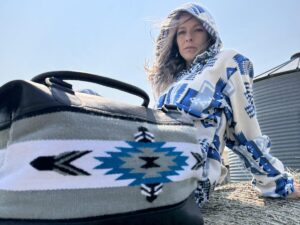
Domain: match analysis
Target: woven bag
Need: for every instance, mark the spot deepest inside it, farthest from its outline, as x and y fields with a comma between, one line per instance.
x=68, y=157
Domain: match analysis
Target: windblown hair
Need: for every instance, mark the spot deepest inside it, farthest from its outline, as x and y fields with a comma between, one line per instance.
x=168, y=62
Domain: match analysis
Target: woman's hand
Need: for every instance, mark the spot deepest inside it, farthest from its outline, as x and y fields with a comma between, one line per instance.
x=296, y=193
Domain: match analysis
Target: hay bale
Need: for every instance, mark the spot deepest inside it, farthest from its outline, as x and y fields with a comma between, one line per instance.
x=239, y=203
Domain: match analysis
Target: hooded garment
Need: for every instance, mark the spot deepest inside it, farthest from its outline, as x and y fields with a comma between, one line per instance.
x=208, y=23
x=216, y=92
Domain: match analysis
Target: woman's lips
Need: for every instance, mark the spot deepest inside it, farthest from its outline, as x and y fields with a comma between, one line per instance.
x=190, y=48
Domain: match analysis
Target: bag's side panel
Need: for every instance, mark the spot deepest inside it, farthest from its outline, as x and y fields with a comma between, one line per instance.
x=65, y=165
x=68, y=156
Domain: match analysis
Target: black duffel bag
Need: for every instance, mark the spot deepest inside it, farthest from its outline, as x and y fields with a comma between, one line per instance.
x=69, y=158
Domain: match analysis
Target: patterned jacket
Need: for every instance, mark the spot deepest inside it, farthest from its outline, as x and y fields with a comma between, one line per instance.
x=216, y=92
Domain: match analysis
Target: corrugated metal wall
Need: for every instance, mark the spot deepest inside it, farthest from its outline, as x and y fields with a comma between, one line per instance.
x=277, y=101
x=237, y=169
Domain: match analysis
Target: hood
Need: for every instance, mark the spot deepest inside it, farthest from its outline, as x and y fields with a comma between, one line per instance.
x=208, y=23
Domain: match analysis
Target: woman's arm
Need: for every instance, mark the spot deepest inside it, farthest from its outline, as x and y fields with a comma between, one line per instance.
x=244, y=136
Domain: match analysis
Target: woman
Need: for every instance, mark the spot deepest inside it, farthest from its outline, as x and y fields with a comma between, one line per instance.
x=214, y=88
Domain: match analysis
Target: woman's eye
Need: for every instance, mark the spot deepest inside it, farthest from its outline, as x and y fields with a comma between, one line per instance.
x=180, y=32
x=199, y=29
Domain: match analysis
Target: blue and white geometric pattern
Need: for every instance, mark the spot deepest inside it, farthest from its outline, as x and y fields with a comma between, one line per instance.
x=250, y=108
x=230, y=71
x=175, y=94
x=199, y=12
x=202, y=192
x=203, y=98
x=197, y=103
x=244, y=64
x=220, y=101
x=197, y=9
x=204, y=144
x=190, y=75
x=257, y=161
x=229, y=89
x=210, y=62
x=213, y=154
x=284, y=186
x=198, y=68
x=144, y=163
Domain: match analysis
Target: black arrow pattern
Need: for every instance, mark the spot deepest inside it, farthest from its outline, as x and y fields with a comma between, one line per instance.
x=143, y=135
x=61, y=163
x=199, y=162
x=151, y=190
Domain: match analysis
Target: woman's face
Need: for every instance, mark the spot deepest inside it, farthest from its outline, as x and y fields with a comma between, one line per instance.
x=191, y=38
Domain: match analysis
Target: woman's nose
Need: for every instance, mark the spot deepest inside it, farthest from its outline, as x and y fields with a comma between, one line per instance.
x=188, y=37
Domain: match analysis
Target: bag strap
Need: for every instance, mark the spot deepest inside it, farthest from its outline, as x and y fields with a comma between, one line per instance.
x=105, y=81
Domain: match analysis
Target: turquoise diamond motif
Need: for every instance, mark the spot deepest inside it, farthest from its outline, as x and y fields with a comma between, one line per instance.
x=144, y=162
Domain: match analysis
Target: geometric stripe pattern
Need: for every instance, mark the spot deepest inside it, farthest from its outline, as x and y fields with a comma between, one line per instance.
x=250, y=109
x=76, y=164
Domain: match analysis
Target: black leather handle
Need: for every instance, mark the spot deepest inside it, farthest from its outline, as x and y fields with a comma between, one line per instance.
x=105, y=81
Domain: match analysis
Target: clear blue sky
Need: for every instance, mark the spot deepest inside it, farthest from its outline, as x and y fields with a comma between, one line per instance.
x=116, y=38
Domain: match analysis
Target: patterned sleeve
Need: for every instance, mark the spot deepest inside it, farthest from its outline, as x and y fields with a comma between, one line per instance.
x=244, y=137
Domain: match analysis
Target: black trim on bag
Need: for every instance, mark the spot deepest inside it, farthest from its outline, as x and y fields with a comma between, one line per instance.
x=5, y=125
x=176, y=214
x=93, y=112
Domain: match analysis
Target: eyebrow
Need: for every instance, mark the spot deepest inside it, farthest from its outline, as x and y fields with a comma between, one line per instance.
x=196, y=25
